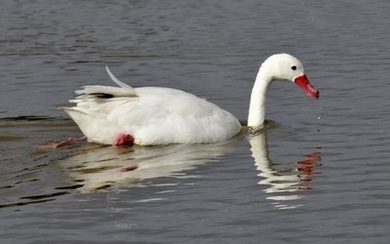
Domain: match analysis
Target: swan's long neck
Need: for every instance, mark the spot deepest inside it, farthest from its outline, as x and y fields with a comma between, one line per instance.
x=256, y=114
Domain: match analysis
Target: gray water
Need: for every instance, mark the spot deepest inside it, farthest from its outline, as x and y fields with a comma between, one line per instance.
x=320, y=176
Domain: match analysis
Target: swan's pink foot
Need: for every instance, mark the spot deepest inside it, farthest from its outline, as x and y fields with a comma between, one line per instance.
x=68, y=141
x=123, y=139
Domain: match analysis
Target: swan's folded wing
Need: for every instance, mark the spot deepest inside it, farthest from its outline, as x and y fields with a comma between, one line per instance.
x=96, y=91
x=105, y=92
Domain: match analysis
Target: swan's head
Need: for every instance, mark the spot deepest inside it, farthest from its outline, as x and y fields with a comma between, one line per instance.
x=286, y=67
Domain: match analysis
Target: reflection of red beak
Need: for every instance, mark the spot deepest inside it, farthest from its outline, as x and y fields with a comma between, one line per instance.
x=304, y=84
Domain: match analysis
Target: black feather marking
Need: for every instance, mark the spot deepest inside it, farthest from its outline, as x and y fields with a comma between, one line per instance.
x=102, y=95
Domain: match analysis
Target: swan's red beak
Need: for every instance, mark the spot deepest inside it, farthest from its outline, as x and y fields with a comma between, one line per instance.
x=305, y=85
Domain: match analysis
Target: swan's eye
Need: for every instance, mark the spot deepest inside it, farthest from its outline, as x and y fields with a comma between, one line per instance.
x=294, y=67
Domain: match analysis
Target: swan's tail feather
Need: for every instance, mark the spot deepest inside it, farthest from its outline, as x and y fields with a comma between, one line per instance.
x=105, y=92
x=116, y=80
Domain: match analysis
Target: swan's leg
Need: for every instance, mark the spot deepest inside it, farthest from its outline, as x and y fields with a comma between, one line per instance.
x=123, y=139
x=67, y=141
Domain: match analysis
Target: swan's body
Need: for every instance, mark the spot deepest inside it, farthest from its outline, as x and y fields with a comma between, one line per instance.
x=156, y=115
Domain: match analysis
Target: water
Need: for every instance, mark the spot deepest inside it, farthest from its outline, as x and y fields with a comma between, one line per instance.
x=320, y=176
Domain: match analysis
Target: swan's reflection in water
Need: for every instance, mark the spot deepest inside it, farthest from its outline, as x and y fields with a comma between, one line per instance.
x=285, y=182
x=107, y=167
x=100, y=168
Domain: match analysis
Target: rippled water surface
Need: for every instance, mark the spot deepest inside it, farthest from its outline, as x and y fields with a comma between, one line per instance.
x=321, y=175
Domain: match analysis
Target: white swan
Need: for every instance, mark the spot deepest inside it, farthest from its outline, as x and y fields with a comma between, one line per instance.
x=156, y=115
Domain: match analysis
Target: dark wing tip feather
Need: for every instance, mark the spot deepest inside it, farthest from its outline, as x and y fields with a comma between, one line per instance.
x=102, y=95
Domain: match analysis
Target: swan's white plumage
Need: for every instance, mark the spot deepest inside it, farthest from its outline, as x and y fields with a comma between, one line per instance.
x=152, y=115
